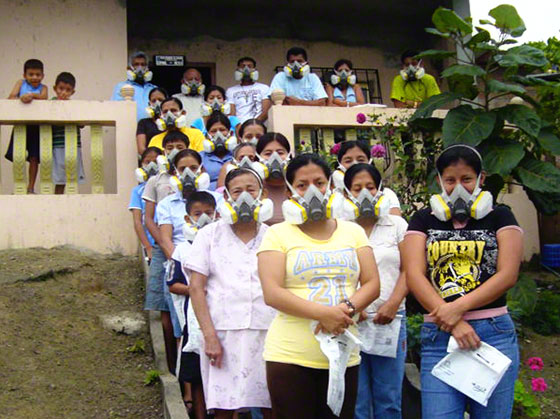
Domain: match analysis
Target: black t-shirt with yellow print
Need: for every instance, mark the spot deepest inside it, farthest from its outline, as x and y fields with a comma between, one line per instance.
x=460, y=260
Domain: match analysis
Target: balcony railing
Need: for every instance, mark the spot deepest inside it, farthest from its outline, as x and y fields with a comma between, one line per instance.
x=93, y=215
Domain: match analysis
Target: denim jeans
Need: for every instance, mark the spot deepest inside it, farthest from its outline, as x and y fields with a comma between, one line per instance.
x=155, y=299
x=380, y=382
x=442, y=401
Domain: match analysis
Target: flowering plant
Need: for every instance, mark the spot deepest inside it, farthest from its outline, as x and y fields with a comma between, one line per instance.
x=335, y=149
x=361, y=118
x=378, y=151
x=525, y=402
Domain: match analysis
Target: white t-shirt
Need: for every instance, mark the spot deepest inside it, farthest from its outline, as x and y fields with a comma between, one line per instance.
x=191, y=104
x=247, y=100
x=385, y=237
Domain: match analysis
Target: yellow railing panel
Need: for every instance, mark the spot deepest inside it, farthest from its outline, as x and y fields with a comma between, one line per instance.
x=71, y=158
x=97, y=185
x=20, y=184
x=328, y=137
x=47, y=186
x=351, y=134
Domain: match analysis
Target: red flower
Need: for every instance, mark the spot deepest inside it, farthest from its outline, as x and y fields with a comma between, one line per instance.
x=538, y=384
x=535, y=363
x=378, y=151
x=360, y=118
x=335, y=148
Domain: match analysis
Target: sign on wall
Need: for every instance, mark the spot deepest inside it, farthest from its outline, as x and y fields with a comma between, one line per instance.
x=169, y=60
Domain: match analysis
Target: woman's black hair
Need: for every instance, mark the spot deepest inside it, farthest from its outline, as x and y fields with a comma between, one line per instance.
x=303, y=160
x=216, y=117
x=250, y=122
x=173, y=99
x=341, y=62
x=187, y=153
x=241, y=146
x=269, y=137
x=348, y=145
x=158, y=89
x=453, y=154
x=232, y=174
x=213, y=88
x=147, y=151
x=361, y=167
x=200, y=196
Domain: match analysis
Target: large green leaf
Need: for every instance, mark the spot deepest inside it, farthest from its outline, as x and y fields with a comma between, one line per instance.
x=428, y=124
x=524, y=293
x=463, y=70
x=532, y=81
x=434, y=31
x=508, y=20
x=523, y=117
x=434, y=102
x=501, y=156
x=498, y=86
x=541, y=176
x=436, y=54
x=467, y=125
x=482, y=36
x=446, y=20
x=522, y=55
x=549, y=140
x=465, y=85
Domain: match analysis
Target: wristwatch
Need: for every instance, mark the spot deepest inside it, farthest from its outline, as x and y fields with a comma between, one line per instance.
x=350, y=306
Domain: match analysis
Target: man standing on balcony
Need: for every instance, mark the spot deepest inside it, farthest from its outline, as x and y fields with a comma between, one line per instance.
x=302, y=88
x=138, y=76
x=412, y=85
x=192, y=94
x=248, y=95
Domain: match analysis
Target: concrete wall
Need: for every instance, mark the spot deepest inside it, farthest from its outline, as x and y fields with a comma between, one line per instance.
x=100, y=222
x=87, y=38
x=270, y=53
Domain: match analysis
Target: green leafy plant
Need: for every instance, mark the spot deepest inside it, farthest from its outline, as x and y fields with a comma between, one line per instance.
x=545, y=319
x=514, y=138
x=138, y=347
x=413, y=327
x=524, y=403
x=152, y=377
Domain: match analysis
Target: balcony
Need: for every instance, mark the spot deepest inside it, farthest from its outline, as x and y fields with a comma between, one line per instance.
x=93, y=215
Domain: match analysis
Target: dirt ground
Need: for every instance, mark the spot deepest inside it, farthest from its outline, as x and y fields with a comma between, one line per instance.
x=56, y=360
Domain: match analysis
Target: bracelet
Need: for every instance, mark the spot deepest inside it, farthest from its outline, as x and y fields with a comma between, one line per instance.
x=350, y=306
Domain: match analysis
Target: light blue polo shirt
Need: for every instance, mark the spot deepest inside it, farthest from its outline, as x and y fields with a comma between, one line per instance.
x=172, y=210
x=307, y=88
x=199, y=123
x=141, y=96
x=213, y=164
x=136, y=202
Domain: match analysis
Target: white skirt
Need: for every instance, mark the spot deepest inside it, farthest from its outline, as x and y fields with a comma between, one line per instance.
x=241, y=380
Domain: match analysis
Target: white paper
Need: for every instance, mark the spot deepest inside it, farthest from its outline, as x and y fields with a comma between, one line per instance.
x=475, y=373
x=380, y=339
x=179, y=306
x=194, y=344
x=338, y=350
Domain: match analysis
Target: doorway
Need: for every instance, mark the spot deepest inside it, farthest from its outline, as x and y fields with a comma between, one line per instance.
x=169, y=77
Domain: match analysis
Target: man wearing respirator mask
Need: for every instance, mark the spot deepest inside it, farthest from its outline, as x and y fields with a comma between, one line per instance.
x=412, y=85
x=174, y=118
x=138, y=76
x=302, y=87
x=192, y=93
x=248, y=95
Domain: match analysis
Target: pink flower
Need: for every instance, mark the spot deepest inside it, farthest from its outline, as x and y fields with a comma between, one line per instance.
x=538, y=384
x=535, y=363
x=360, y=118
x=335, y=148
x=378, y=151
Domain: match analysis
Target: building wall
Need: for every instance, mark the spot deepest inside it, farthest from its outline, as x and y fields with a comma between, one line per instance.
x=270, y=53
x=87, y=38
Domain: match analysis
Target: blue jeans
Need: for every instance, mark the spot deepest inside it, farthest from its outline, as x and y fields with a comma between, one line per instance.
x=155, y=299
x=442, y=401
x=380, y=382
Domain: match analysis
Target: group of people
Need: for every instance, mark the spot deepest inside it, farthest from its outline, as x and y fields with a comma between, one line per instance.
x=260, y=261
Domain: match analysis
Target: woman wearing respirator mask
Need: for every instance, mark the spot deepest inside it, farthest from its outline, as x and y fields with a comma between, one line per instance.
x=147, y=127
x=366, y=204
x=310, y=267
x=273, y=150
x=227, y=298
x=461, y=257
x=215, y=102
x=244, y=156
x=351, y=153
x=218, y=146
x=343, y=90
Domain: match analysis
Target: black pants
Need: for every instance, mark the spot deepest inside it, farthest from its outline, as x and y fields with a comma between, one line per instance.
x=299, y=392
